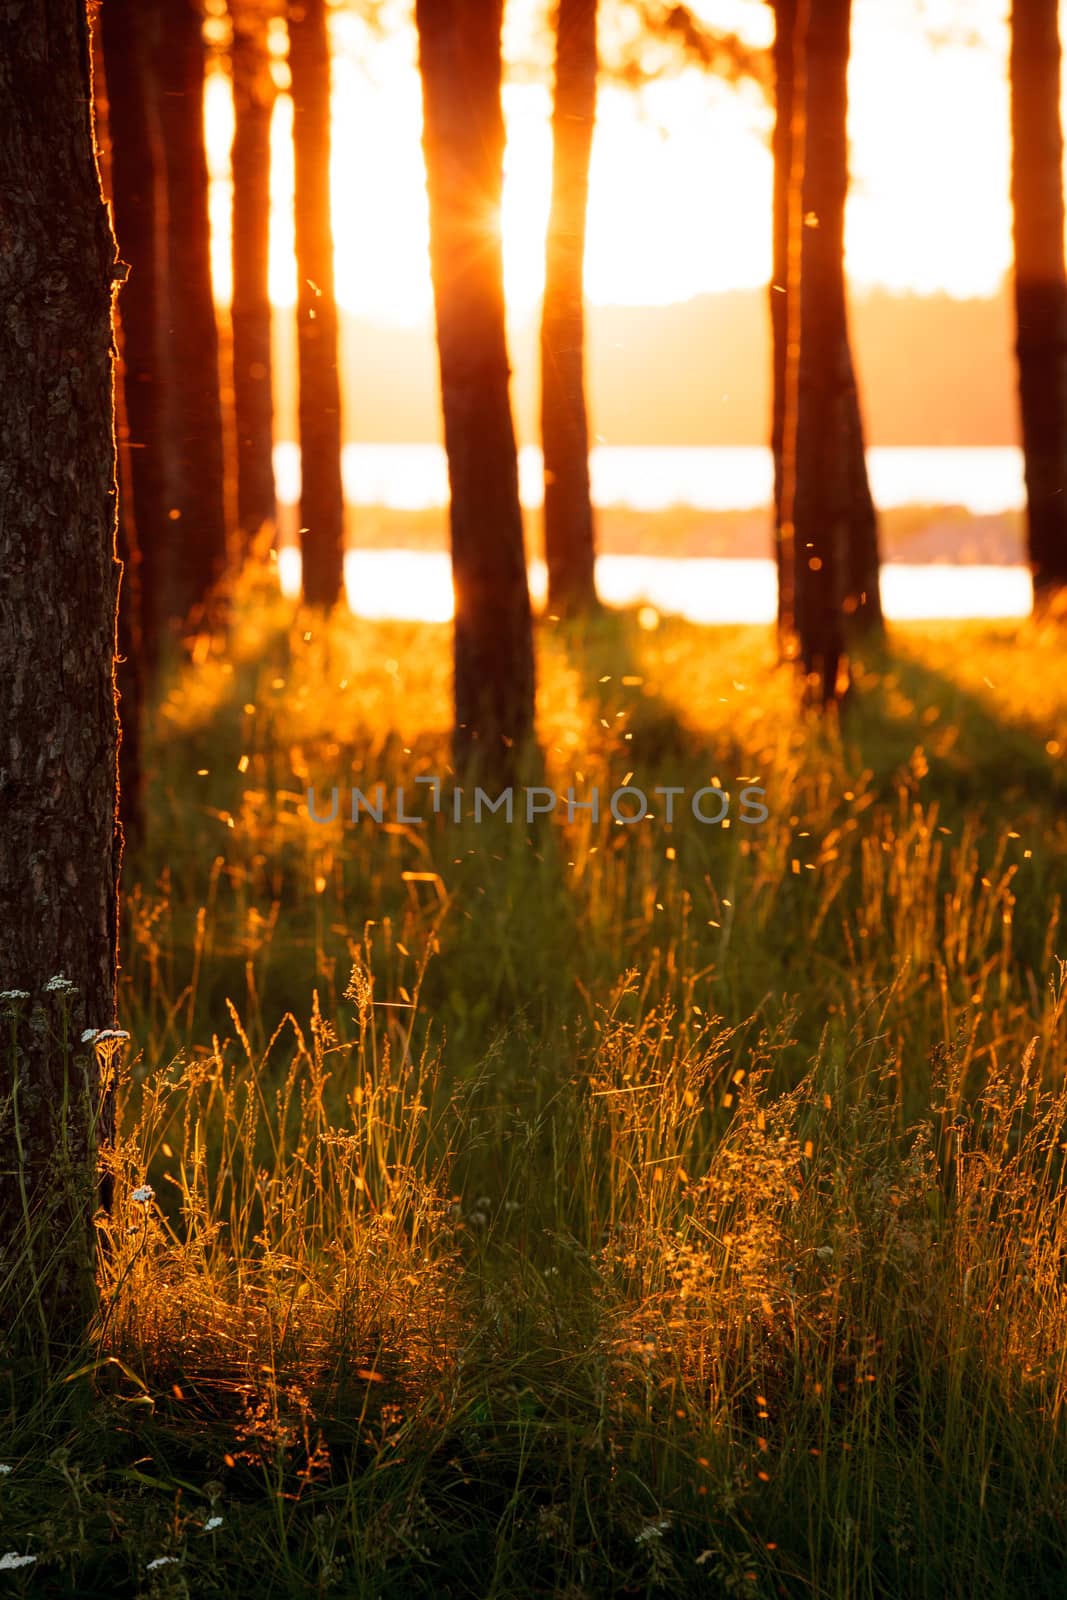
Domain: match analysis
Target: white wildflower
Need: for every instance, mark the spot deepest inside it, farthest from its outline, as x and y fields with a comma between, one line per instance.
x=12, y=1559
x=212, y=1523
x=144, y=1194
x=4, y=1469
x=14, y=994
x=59, y=985
x=89, y=1035
x=111, y=1033
x=652, y=1530
x=161, y=1561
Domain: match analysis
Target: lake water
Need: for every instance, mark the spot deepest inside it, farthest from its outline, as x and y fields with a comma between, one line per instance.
x=418, y=584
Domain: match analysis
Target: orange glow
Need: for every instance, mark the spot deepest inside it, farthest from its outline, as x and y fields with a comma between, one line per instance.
x=681, y=170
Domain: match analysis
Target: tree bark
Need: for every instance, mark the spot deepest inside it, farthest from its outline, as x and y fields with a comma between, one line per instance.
x=59, y=842
x=818, y=442
x=129, y=156
x=570, y=541
x=194, y=471
x=321, y=495
x=253, y=94
x=862, y=601
x=463, y=140
x=1040, y=284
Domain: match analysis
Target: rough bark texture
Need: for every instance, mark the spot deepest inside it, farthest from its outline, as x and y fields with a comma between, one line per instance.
x=126, y=143
x=816, y=460
x=253, y=94
x=463, y=139
x=321, y=495
x=862, y=601
x=58, y=724
x=194, y=475
x=1040, y=284
x=570, y=543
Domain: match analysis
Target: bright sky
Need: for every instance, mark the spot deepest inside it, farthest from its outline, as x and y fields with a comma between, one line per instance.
x=680, y=199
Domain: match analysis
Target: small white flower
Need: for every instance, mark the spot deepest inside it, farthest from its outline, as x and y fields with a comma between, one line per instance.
x=144, y=1194
x=59, y=985
x=12, y=1559
x=652, y=1530
x=161, y=1561
x=4, y=1469
x=212, y=1523
x=111, y=1033
x=89, y=1035
x=14, y=994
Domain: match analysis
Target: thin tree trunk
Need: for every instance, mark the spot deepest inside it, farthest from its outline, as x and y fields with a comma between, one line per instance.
x=59, y=844
x=570, y=541
x=253, y=94
x=463, y=139
x=1040, y=284
x=862, y=602
x=321, y=495
x=194, y=474
x=816, y=432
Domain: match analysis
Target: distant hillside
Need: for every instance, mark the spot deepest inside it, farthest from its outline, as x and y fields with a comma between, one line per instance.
x=934, y=371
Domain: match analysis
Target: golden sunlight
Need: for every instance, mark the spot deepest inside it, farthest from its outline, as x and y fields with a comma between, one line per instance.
x=681, y=171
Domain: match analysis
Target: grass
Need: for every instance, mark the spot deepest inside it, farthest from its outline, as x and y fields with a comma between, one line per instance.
x=582, y=1209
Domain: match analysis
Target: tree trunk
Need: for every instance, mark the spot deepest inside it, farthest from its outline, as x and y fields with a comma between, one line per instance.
x=321, y=495
x=1040, y=284
x=463, y=139
x=58, y=725
x=128, y=141
x=570, y=543
x=862, y=602
x=817, y=436
x=253, y=94
x=194, y=473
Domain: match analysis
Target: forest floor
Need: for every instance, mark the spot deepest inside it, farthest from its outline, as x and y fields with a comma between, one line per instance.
x=582, y=1208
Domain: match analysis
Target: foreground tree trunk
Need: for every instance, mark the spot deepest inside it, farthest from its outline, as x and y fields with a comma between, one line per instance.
x=862, y=601
x=58, y=724
x=1040, y=284
x=253, y=95
x=129, y=164
x=818, y=431
x=321, y=495
x=570, y=542
x=194, y=474
x=463, y=139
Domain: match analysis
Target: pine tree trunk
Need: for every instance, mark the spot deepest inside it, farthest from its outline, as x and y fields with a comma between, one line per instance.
x=862, y=602
x=463, y=140
x=194, y=472
x=128, y=173
x=1040, y=284
x=253, y=94
x=816, y=460
x=570, y=542
x=58, y=724
x=321, y=495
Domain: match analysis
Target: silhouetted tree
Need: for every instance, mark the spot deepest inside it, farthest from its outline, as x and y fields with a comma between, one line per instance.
x=570, y=543
x=193, y=471
x=463, y=139
x=253, y=95
x=59, y=841
x=819, y=435
x=321, y=495
x=862, y=593
x=128, y=141
x=1040, y=284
